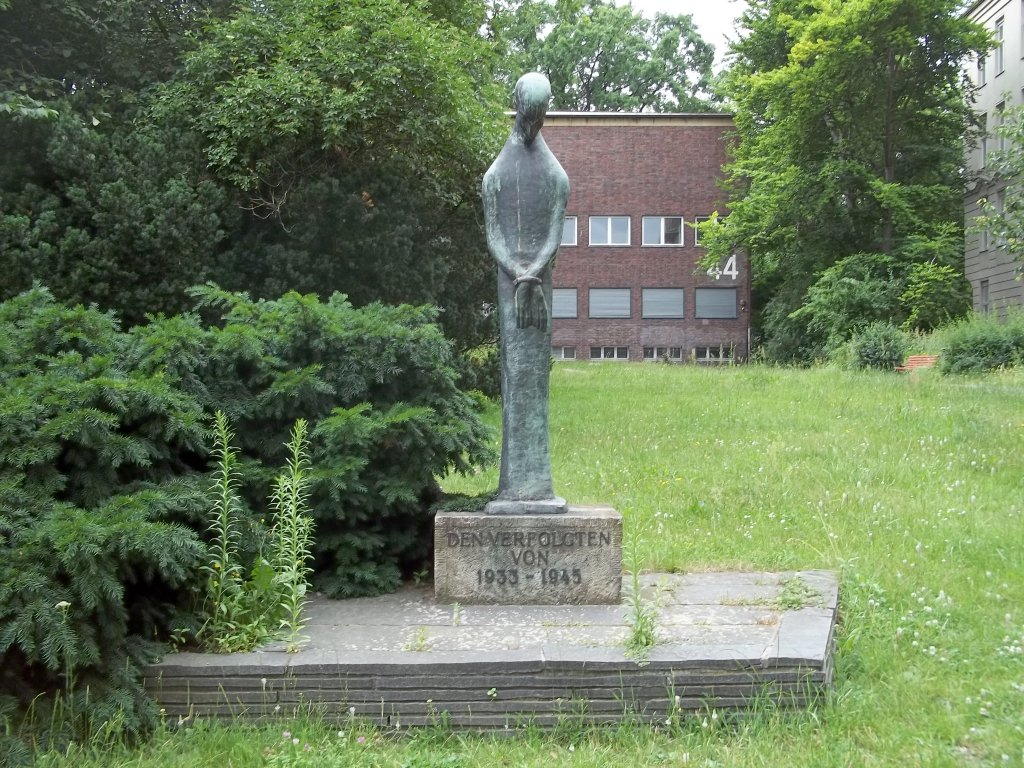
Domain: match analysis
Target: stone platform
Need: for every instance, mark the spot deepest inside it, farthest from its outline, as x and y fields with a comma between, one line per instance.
x=725, y=641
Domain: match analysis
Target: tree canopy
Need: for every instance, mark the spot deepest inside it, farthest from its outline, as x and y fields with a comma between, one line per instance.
x=603, y=57
x=847, y=175
x=288, y=144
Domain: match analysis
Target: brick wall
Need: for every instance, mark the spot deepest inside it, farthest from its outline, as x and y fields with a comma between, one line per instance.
x=636, y=166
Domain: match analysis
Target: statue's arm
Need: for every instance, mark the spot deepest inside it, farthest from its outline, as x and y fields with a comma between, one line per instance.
x=559, y=200
x=496, y=243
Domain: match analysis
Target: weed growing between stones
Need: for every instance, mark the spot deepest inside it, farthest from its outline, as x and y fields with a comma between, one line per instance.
x=642, y=613
x=796, y=593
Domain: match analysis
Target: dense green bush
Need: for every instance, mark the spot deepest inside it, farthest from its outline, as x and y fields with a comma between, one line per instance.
x=104, y=484
x=983, y=343
x=93, y=457
x=879, y=345
x=376, y=384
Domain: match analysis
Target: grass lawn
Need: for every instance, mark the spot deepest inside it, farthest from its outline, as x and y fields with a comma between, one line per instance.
x=911, y=487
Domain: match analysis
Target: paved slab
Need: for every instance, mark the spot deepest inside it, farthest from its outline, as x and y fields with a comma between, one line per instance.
x=723, y=640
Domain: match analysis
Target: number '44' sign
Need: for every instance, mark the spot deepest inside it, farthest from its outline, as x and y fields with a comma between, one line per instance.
x=730, y=269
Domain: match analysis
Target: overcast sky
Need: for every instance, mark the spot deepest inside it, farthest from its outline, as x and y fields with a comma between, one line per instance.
x=714, y=18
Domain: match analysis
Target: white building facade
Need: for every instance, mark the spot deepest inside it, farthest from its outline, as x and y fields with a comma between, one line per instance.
x=991, y=270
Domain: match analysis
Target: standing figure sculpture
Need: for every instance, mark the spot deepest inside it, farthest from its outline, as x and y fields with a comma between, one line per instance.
x=525, y=192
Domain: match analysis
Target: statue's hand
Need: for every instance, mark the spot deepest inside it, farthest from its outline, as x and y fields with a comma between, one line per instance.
x=531, y=306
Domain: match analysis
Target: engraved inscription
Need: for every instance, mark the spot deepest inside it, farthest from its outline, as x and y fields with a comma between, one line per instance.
x=530, y=553
x=528, y=559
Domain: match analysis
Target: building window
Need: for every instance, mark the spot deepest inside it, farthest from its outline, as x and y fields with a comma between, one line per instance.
x=723, y=353
x=663, y=230
x=981, y=71
x=1000, y=116
x=983, y=148
x=563, y=302
x=662, y=302
x=998, y=53
x=563, y=353
x=569, y=231
x=1000, y=205
x=663, y=353
x=696, y=232
x=609, y=353
x=715, y=303
x=609, y=302
x=609, y=230
x=983, y=305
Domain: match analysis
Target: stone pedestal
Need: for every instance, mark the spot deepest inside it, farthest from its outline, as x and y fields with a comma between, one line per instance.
x=572, y=558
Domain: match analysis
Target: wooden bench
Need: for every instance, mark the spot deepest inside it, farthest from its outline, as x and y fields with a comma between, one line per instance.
x=914, y=362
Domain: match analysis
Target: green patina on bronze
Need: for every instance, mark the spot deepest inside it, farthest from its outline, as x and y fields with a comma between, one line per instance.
x=525, y=192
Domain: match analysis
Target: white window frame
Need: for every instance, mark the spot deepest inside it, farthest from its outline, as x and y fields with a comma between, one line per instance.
x=983, y=144
x=997, y=53
x=609, y=353
x=565, y=229
x=661, y=235
x=563, y=353
x=664, y=294
x=608, y=229
x=596, y=292
x=1000, y=115
x=982, y=79
x=564, y=293
x=663, y=352
x=726, y=354
x=1000, y=205
x=696, y=232
x=699, y=292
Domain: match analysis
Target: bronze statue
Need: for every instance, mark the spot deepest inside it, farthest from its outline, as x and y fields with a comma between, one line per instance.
x=525, y=193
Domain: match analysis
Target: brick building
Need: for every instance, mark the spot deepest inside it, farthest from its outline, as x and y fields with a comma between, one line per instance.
x=626, y=282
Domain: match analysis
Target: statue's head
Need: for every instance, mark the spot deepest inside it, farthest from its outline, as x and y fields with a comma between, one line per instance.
x=532, y=94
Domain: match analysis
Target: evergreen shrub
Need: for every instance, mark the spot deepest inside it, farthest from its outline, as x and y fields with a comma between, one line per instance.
x=880, y=345
x=983, y=342
x=377, y=385
x=105, y=483
x=94, y=456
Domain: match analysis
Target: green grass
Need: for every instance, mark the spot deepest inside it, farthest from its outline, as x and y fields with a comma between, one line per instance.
x=911, y=487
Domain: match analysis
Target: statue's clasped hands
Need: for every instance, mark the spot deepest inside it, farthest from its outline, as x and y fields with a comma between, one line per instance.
x=531, y=304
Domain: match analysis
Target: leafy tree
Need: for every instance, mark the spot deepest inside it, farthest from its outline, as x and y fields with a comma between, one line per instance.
x=603, y=57
x=53, y=49
x=111, y=215
x=356, y=134
x=850, y=120
x=97, y=201
x=374, y=121
x=289, y=90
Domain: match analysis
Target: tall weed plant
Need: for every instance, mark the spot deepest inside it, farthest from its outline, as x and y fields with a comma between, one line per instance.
x=292, y=537
x=243, y=612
